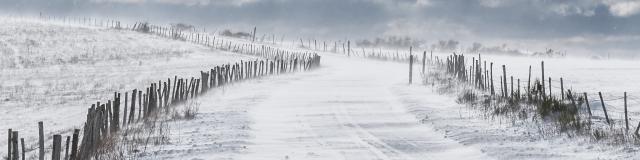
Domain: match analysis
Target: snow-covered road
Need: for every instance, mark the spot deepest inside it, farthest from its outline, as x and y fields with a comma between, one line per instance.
x=352, y=108
x=347, y=109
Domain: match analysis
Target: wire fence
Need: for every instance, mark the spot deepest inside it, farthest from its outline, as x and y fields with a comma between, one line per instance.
x=105, y=120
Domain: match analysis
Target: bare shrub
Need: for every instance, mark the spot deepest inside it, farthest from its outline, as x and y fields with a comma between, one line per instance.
x=191, y=110
x=467, y=97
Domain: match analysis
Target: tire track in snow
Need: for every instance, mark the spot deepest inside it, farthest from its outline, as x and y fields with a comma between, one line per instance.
x=381, y=149
x=346, y=112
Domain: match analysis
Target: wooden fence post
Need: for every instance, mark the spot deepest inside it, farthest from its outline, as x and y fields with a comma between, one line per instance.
x=23, y=149
x=132, y=112
x=115, y=117
x=74, y=144
x=66, y=148
x=145, y=108
x=349, y=48
x=140, y=104
x=542, y=79
x=501, y=87
x=562, y=88
x=604, y=108
x=638, y=128
x=550, y=94
x=14, y=145
x=41, y=140
x=55, y=155
x=518, y=93
x=9, y=144
x=626, y=119
x=485, y=85
x=529, y=81
x=424, y=58
x=586, y=99
x=124, y=116
x=512, y=87
x=573, y=101
x=410, y=68
x=493, y=92
x=471, y=70
x=504, y=76
x=431, y=57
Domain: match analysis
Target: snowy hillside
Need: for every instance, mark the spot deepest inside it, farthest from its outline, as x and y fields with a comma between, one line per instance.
x=52, y=72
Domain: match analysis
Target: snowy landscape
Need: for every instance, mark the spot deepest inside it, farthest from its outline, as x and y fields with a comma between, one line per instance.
x=354, y=79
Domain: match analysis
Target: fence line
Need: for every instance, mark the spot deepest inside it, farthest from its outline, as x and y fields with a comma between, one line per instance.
x=103, y=120
x=471, y=72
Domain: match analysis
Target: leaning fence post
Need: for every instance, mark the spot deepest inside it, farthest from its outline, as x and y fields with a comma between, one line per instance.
x=573, y=101
x=41, y=140
x=586, y=99
x=638, y=128
x=501, y=86
x=604, y=108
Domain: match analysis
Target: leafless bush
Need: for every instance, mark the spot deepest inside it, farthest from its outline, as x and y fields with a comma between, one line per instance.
x=229, y=33
x=189, y=111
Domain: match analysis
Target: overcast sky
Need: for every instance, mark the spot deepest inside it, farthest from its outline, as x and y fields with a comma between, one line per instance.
x=581, y=25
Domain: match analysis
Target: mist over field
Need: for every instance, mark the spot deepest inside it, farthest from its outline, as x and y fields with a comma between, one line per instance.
x=578, y=27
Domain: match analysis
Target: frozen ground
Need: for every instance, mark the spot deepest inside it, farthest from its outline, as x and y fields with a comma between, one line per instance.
x=52, y=72
x=612, y=77
x=351, y=108
x=356, y=109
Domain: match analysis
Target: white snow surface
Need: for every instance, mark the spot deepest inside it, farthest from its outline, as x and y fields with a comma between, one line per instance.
x=350, y=108
x=353, y=108
x=53, y=72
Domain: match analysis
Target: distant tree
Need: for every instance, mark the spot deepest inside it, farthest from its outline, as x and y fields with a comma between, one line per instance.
x=389, y=41
x=183, y=27
x=229, y=33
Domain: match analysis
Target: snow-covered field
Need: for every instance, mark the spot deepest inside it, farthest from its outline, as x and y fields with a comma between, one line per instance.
x=350, y=108
x=52, y=72
x=612, y=77
x=354, y=108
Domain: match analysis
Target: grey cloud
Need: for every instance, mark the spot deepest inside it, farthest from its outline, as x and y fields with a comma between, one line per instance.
x=525, y=20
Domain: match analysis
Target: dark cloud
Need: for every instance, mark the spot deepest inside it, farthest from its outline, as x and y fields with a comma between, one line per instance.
x=557, y=21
